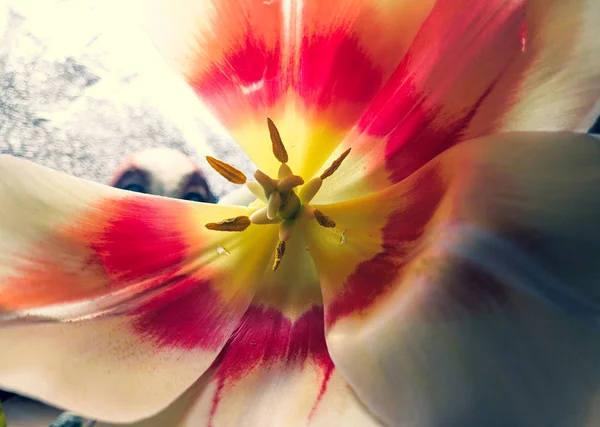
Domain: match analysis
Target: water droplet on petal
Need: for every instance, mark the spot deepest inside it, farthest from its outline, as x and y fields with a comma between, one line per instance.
x=222, y=251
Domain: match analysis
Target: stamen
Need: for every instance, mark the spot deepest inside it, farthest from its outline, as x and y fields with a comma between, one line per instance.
x=278, y=148
x=257, y=190
x=284, y=206
x=307, y=213
x=227, y=171
x=308, y=191
x=273, y=205
x=284, y=171
x=285, y=230
x=260, y=217
x=266, y=181
x=288, y=183
x=323, y=219
x=279, y=252
x=239, y=223
x=335, y=165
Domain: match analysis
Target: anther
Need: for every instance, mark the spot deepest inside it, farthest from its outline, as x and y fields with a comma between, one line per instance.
x=227, y=171
x=279, y=252
x=323, y=219
x=278, y=148
x=335, y=165
x=239, y=223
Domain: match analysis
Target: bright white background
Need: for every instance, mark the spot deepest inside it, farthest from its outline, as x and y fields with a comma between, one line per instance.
x=82, y=86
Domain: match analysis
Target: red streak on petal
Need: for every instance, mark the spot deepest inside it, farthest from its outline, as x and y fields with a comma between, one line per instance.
x=56, y=270
x=145, y=244
x=116, y=244
x=216, y=399
x=401, y=233
x=419, y=139
x=187, y=314
x=265, y=337
x=249, y=80
x=327, y=372
x=524, y=36
x=458, y=56
x=335, y=71
x=144, y=239
x=460, y=284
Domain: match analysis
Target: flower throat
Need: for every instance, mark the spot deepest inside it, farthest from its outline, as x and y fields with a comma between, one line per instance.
x=283, y=204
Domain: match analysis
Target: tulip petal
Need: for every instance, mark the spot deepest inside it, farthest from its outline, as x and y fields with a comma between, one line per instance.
x=145, y=297
x=475, y=68
x=481, y=304
x=460, y=52
x=275, y=371
x=312, y=67
x=555, y=82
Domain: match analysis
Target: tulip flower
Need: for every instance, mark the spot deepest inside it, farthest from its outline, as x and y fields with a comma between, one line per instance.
x=422, y=250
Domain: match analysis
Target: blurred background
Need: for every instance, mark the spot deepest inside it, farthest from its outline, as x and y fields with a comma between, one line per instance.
x=82, y=87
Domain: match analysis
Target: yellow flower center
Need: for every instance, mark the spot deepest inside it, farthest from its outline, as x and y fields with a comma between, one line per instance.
x=277, y=200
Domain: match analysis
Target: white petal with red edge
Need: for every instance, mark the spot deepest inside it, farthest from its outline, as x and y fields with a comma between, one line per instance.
x=491, y=318
x=555, y=83
x=158, y=298
x=475, y=68
x=274, y=372
x=312, y=67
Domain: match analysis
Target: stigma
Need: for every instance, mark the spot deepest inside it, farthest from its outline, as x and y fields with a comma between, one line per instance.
x=283, y=200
